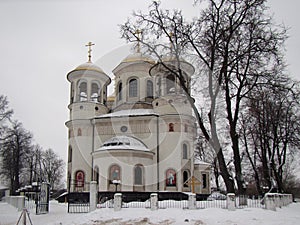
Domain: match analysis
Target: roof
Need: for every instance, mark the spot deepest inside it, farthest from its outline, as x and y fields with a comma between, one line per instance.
x=89, y=66
x=123, y=143
x=2, y=187
x=200, y=162
x=129, y=112
x=135, y=57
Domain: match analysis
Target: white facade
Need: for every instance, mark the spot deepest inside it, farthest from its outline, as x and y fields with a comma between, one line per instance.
x=141, y=139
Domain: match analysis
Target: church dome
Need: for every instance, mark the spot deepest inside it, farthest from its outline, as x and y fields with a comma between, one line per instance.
x=172, y=60
x=123, y=143
x=89, y=66
x=135, y=57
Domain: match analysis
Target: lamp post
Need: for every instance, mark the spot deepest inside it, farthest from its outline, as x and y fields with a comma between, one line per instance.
x=116, y=182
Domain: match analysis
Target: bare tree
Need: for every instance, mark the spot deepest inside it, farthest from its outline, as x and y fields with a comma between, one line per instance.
x=233, y=43
x=15, y=146
x=274, y=131
x=33, y=165
x=53, y=168
x=5, y=112
x=22, y=162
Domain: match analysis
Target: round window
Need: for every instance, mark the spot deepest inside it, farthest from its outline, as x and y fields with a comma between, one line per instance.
x=123, y=128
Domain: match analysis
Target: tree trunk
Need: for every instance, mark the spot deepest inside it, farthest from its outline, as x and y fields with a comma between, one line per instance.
x=216, y=173
x=224, y=173
x=237, y=163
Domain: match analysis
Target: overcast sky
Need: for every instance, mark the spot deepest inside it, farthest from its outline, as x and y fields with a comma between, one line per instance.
x=42, y=40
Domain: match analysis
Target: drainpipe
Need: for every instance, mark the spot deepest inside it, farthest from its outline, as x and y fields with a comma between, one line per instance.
x=93, y=144
x=157, y=151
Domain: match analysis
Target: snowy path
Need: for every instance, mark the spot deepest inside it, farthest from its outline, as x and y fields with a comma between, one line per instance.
x=58, y=215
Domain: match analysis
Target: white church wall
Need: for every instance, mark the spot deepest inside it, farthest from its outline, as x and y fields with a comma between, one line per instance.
x=126, y=160
x=81, y=159
x=138, y=71
x=86, y=110
x=81, y=143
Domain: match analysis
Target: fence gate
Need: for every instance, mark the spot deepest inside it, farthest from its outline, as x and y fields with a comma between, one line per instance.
x=37, y=197
x=42, y=199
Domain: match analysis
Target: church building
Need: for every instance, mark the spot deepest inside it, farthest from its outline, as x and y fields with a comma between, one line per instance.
x=141, y=138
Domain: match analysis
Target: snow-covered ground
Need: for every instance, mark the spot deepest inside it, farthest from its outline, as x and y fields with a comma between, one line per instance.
x=58, y=216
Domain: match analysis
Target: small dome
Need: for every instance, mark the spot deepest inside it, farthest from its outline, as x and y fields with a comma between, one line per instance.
x=89, y=66
x=135, y=57
x=186, y=66
x=123, y=143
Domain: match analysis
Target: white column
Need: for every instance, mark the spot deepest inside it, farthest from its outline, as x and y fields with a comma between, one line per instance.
x=270, y=201
x=231, y=201
x=154, y=201
x=20, y=202
x=192, y=201
x=93, y=195
x=163, y=86
x=117, y=201
x=7, y=196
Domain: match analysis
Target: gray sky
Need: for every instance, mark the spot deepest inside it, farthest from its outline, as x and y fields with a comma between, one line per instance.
x=42, y=40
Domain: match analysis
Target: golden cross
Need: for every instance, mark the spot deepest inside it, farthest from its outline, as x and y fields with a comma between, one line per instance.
x=139, y=33
x=193, y=181
x=90, y=44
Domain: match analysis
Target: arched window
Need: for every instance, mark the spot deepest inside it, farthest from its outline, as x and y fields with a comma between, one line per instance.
x=133, y=88
x=96, y=174
x=79, y=178
x=158, y=92
x=186, y=128
x=170, y=84
x=69, y=179
x=79, y=132
x=184, y=151
x=70, y=154
x=104, y=89
x=114, y=173
x=138, y=175
x=83, y=91
x=95, y=92
x=171, y=127
x=185, y=178
x=119, y=94
x=72, y=93
x=149, y=89
x=204, y=180
x=170, y=178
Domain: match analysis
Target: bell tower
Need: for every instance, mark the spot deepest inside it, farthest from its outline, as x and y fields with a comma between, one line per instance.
x=88, y=99
x=176, y=125
x=168, y=91
x=88, y=93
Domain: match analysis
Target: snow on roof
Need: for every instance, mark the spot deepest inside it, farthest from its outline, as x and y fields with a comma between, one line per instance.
x=200, y=162
x=123, y=143
x=2, y=187
x=129, y=112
